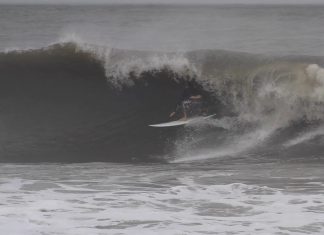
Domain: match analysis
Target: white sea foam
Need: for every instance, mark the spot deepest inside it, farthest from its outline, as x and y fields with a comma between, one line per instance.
x=139, y=200
x=272, y=98
x=120, y=65
x=316, y=73
x=232, y=146
x=303, y=137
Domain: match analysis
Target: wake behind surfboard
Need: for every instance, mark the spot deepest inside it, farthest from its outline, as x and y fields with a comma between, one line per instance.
x=182, y=122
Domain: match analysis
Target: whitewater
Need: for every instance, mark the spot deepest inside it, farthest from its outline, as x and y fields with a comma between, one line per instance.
x=80, y=87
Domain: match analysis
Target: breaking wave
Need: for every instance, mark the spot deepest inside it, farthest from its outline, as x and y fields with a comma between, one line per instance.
x=77, y=102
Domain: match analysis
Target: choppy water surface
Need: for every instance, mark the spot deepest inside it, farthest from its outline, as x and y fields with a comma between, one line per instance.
x=104, y=198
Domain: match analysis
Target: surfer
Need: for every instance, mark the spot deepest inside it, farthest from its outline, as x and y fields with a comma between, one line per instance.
x=189, y=104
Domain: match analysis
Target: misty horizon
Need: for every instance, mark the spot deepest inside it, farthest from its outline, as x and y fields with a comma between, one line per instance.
x=166, y=2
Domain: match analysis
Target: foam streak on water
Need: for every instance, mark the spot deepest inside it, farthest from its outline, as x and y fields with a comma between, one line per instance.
x=161, y=199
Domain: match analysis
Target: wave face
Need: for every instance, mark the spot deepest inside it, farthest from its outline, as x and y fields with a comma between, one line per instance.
x=74, y=102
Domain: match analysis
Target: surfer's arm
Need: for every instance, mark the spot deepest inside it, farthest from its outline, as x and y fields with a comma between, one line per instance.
x=195, y=97
x=176, y=110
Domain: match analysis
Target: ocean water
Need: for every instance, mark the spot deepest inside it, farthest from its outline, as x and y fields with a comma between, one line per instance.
x=98, y=198
x=257, y=29
x=80, y=85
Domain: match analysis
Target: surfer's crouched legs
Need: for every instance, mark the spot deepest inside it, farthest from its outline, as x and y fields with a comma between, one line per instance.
x=191, y=108
x=185, y=109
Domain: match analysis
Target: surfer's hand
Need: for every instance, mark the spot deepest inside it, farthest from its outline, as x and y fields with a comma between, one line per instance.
x=172, y=114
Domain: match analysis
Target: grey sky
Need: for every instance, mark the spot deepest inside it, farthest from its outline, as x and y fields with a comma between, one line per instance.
x=165, y=1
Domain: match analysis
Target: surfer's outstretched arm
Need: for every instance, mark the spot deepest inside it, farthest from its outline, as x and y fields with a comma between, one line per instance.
x=195, y=97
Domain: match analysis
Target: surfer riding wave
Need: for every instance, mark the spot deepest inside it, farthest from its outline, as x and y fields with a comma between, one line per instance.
x=189, y=105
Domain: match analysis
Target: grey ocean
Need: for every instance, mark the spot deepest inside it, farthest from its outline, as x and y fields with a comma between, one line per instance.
x=79, y=86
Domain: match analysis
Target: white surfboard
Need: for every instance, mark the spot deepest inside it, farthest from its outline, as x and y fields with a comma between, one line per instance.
x=183, y=122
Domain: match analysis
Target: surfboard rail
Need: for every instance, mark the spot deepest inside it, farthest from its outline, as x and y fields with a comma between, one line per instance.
x=182, y=122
